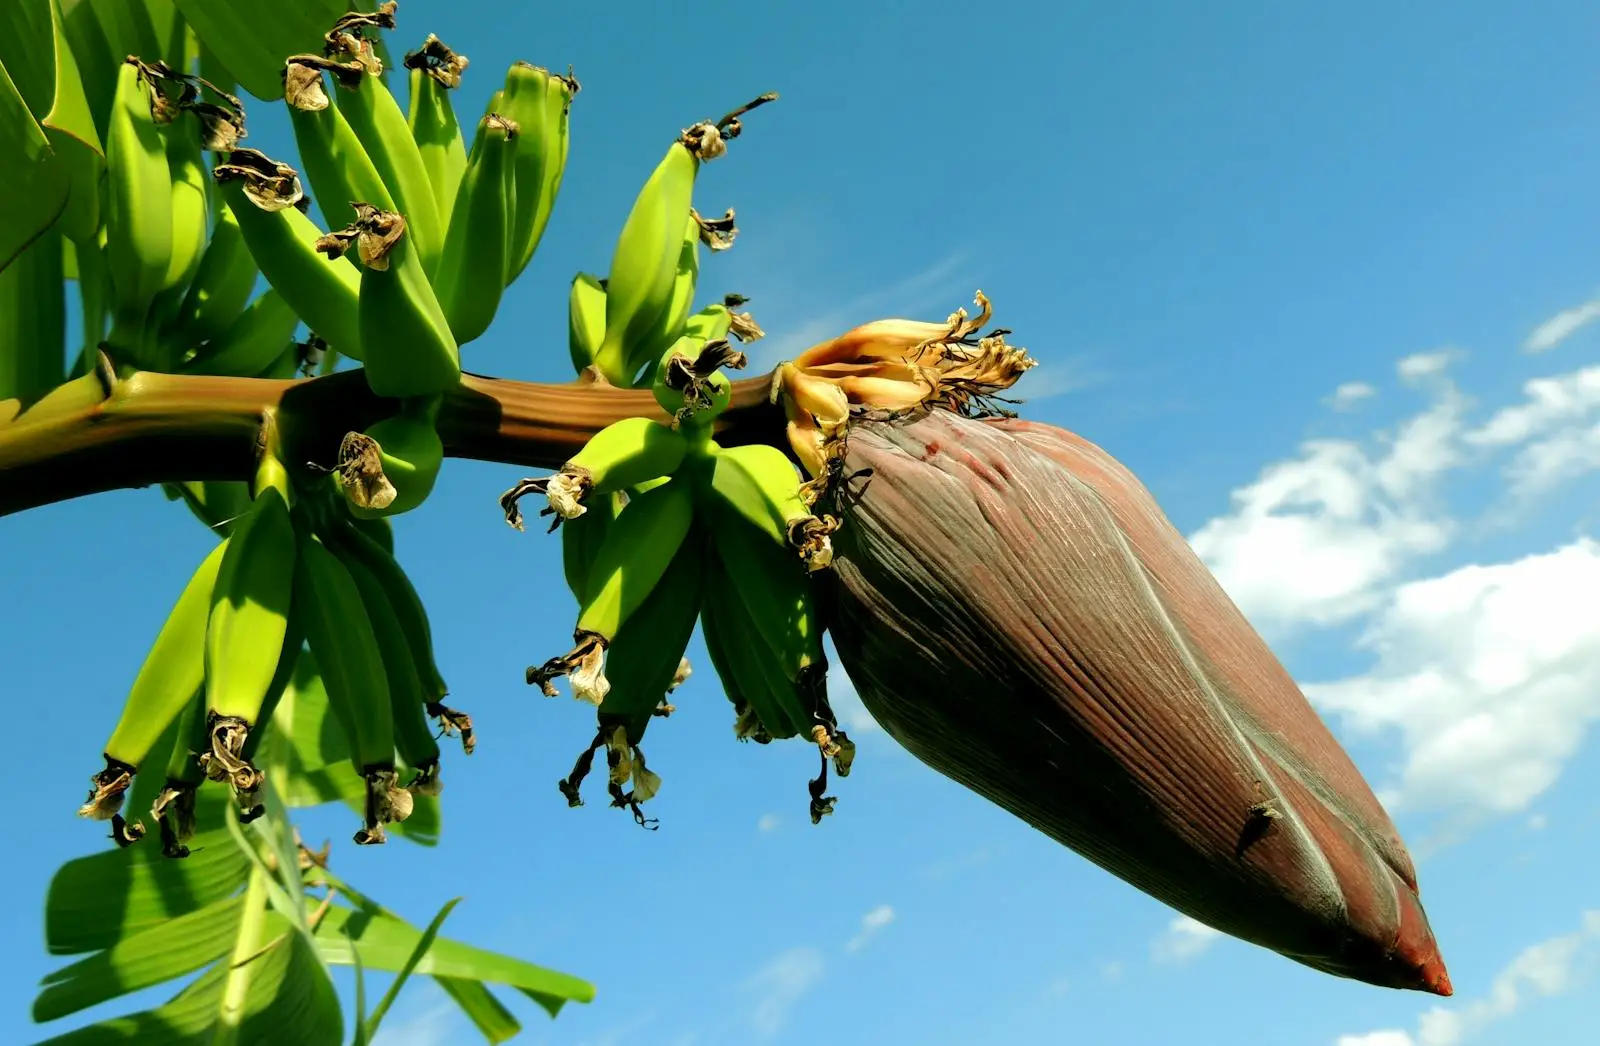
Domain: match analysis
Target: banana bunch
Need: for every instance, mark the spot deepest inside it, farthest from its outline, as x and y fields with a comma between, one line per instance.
x=294, y=570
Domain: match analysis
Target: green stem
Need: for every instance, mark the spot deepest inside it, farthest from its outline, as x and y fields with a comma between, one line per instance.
x=241, y=968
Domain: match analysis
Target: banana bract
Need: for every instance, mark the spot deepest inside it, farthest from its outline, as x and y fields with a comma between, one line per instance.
x=1016, y=610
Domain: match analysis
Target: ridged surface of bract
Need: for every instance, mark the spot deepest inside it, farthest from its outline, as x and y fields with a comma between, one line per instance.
x=1015, y=609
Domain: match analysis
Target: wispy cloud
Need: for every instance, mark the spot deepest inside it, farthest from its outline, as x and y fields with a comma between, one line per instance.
x=768, y=823
x=1351, y=393
x=1561, y=326
x=438, y=1023
x=871, y=923
x=1551, y=967
x=779, y=986
x=1183, y=939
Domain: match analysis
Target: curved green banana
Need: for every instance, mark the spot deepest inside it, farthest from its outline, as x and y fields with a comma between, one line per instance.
x=391, y=468
x=582, y=536
x=586, y=319
x=471, y=271
x=342, y=639
x=540, y=102
x=251, y=344
x=407, y=348
x=188, y=172
x=438, y=136
x=172, y=672
x=323, y=291
x=407, y=693
x=646, y=352
x=737, y=654
x=221, y=287
x=138, y=211
x=381, y=126
x=759, y=483
x=645, y=264
x=337, y=164
x=247, y=630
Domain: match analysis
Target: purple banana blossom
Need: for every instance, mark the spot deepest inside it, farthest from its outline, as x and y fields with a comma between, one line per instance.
x=1016, y=610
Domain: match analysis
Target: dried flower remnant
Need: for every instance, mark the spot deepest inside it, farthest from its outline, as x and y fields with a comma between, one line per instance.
x=268, y=184
x=585, y=665
x=374, y=233
x=1028, y=630
x=717, y=234
x=438, y=61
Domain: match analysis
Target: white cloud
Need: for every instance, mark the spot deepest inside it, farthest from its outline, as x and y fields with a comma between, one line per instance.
x=1346, y=396
x=871, y=923
x=1545, y=969
x=1538, y=822
x=437, y=1025
x=768, y=823
x=1487, y=675
x=1557, y=427
x=780, y=985
x=1377, y=1038
x=1561, y=326
x=1422, y=365
x=1183, y=939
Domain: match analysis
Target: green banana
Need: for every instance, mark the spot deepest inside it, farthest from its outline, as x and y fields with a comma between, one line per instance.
x=407, y=348
x=355, y=543
x=251, y=344
x=221, y=287
x=690, y=384
x=645, y=263
x=759, y=484
x=540, y=102
x=736, y=654
x=33, y=318
x=636, y=552
x=337, y=163
x=586, y=319
x=283, y=242
x=138, y=210
x=247, y=630
x=471, y=271
x=582, y=536
x=436, y=70
x=407, y=692
x=646, y=352
x=187, y=167
x=391, y=468
x=172, y=672
x=643, y=660
x=342, y=639
x=381, y=126
x=623, y=454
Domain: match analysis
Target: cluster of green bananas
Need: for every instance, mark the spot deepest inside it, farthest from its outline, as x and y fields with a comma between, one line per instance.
x=296, y=570
x=663, y=527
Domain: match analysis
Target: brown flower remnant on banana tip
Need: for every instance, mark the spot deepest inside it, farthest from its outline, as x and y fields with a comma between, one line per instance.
x=107, y=789
x=268, y=183
x=566, y=491
x=225, y=763
x=717, y=234
x=359, y=472
x=302, y=80
x=708, y=140
x=585, y=665
x=438, y=61
x=374, y=232
x=454, y=721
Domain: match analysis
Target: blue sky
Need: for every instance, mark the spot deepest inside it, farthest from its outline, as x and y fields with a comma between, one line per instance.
x=1325, y=279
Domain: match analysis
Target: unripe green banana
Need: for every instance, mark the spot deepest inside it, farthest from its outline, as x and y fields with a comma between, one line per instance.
x=582, y=536
x=33, y=321
x=381, y=126
x=758, y=483
x=438, y=136
x=174, y=808
x=621, y=455
x=187, y=166
x=407, y=695
x=540, y=102
x=645, y=263
x=221, y=287
x=138, y=211
x=471, y=271
x=643, y=660
x=690, y=385
x=337, y=163
x=251, y=344
x=586, y=320
x=247, y=630
x=171, y=674
x=637, y=550
x=736, y=654
x=341, y=637
x=647, y=351
x=407, y=348
x=324, y=292
x=391, y=468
